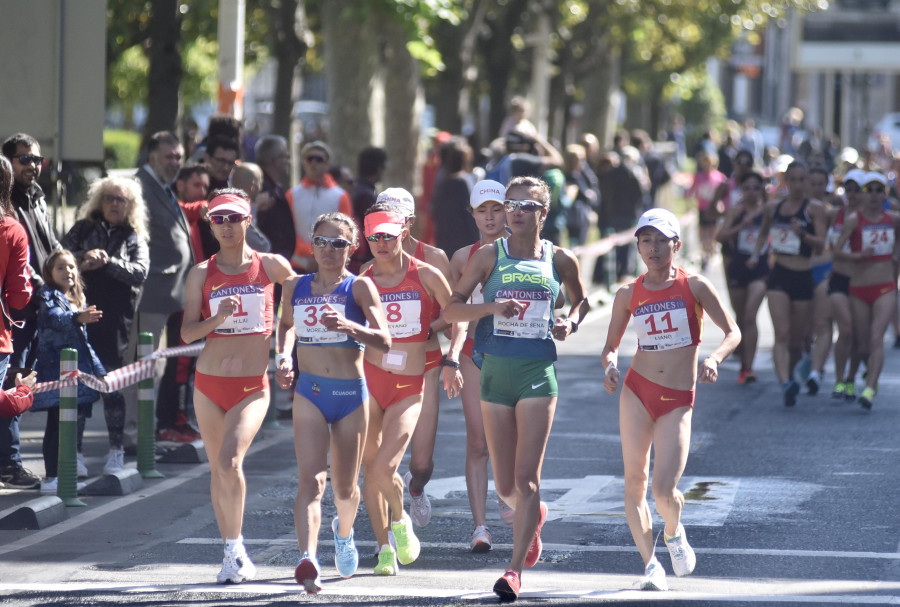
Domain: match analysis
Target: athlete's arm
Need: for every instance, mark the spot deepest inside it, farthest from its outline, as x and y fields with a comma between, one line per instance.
x=850, y=224
x=438, y=259
x=477, y=271
x=709, y=300
x=376, y=334
x=763, y=236
x=193, y=326
x=437, y=285
x=567, y=266
x=618, y=322
x=730, y=226
x=820, y=227
x=285, y=336
x=277, y=268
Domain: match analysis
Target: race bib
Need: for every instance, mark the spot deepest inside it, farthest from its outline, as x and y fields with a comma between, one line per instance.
x=880, y=238
x=533, y=321
x=662, y=325
x=250, y=315
x=746, y=240
x=404, y=313
x=308, y=319
x=785, y=240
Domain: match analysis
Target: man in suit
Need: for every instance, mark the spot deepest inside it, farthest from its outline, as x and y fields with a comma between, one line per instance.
x=170, y=260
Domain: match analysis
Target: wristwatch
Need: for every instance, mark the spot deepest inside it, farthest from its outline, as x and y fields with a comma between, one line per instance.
x=446, y=362
x=573, y=324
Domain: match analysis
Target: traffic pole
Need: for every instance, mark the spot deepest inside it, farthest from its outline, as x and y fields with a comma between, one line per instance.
x=67, y=474
x=146, y=451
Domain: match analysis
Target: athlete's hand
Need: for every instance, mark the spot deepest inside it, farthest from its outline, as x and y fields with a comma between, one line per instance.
x=752, y=262
x=611, y=380
x=508, y=308
x=562, y=328
x=709, y=371
x=453, y=381
x=284, y=374
x=866, y=252
x=332, y=320
x=227, y=307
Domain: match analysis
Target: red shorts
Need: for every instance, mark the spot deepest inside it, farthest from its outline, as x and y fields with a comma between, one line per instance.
x=657, y=400
x=871, y=293
x=468, y=347
x=226, y=392
x=389, y=388
x=432, y=359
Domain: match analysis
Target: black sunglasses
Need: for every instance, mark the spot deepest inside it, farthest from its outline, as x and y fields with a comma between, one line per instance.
x=528, y=206
x=315, y=159
x=336, y=243
x=30, y=159
x=231, y=218
x=379, y=236
x=874, y=189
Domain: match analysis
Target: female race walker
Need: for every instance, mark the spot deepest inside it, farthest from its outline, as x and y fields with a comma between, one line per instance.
x=657, y=400
x=796, y=225
x=333, y=315
x=408, y=289
x=486, y=201
x=873, y=235
x=521, y=277
x=229, y=301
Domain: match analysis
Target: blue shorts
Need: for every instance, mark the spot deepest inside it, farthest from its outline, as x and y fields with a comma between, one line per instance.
x=821, y=273
x=335, y=398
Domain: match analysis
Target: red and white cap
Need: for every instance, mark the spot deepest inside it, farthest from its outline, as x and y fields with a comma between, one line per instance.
x=384, y=222
x=229, y=203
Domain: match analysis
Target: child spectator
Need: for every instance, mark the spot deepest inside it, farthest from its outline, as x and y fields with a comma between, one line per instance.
x=61, y=324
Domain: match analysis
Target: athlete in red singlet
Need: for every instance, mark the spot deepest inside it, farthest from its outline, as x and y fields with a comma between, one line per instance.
x=486, y=201
x=230, y=296
x=873, y=234
x=656, y=404
x=407, y=289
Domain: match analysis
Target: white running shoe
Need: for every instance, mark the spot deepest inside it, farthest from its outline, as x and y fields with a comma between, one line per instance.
x=115, y=461
x=481, y=539
x=654, y=576
x=419, y=505
x=51, y=485
x=507, y=512
x=683, y=557
x=81, y=466
x=236, y=567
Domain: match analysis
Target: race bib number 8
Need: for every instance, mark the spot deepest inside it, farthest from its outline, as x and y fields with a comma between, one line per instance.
x=879, y=238
x=403, y=311
x=532, y=322
x=662, y=325
x=308, y=319
x=250, y=315
x=785, y=240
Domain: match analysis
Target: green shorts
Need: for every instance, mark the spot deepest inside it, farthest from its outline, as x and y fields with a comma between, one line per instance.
x=506, y=381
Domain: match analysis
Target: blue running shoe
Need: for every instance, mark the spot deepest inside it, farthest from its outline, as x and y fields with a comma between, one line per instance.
x=346, y=557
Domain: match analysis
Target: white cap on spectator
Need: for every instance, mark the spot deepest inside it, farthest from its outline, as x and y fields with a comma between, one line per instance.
x=486, y=190
x=875, y=177
x=662, y=220
x=857, y=176
x=398, y=198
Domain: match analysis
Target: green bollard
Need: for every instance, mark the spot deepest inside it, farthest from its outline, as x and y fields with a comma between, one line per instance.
x=271, y=419
x=67, y=476
x=146, y=451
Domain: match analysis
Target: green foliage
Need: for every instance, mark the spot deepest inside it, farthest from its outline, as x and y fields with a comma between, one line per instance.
x=694, y=96
x=121, y=148
x=200, y=81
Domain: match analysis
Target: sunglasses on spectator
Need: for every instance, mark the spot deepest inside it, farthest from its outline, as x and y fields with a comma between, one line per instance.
x=315, y=159
x=231, y=218
x=30, y=159
x=336, y=243
x=112, y=199
x=381, y=236
x=528, y=206
x=874, y=189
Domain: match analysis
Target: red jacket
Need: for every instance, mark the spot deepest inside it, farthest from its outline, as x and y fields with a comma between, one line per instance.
x=14, y=280
x=15, y=402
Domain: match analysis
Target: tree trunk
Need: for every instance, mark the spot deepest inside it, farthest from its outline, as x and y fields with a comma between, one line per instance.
x=499, y=60
x=286, y=18
x=600, y=85
x=447, y=85
x=164, y=81
x=350, y=65
x=404, y=102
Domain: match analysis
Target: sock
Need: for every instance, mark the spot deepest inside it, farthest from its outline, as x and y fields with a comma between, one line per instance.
x=814, y=375
x=232, y=545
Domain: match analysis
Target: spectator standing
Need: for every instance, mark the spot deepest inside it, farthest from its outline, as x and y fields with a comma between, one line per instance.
x=109, y=242
x=453, y=223
x=622, y=202
x=248, y=177
x=16, y=292
x=432, y=173
x=371, y=163
x=191, y=186
x=28, y=200
x=221, y=156
x=582, y=190
x=657, y=171
x=170, y=259
x=752, y=141
x=275, y=219
x=316, y=194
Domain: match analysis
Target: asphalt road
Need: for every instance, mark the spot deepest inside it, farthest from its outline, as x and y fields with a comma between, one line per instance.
x=784, y=507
